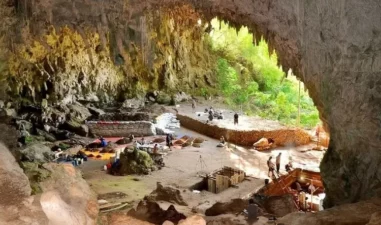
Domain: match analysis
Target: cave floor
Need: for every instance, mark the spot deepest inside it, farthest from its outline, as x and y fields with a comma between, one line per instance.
x=183, y=167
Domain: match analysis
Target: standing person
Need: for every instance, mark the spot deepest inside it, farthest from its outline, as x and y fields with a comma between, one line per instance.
x=193, y=105
x=252, y=212
x=169, y=140
x=277, y=162
x=210, y=117
x=271, y=166
x=236, y=119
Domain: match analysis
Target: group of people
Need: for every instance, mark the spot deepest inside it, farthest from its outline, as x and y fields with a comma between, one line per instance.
x=276, y=167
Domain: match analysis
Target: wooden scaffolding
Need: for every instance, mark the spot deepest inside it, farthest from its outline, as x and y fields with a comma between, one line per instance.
x=224, y=178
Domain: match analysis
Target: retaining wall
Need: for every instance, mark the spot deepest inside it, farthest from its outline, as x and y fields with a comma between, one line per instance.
x=121, y=128
x=281, y=137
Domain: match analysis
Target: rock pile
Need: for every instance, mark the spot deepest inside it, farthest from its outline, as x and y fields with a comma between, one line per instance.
x=150, y=211
x=167, y=194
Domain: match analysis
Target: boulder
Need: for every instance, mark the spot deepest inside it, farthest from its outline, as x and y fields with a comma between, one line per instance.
x=36, y=173
x=163, y=98
x=280, y=205
x=233, y=207
x=37, y=153
x=181, y=97
x=78, y=112
x=46, y=135
x=365, y=212
x=9, y=112
x=134, y=103
x=167, y=194
x=150, y=211
x=75, y=127
x=95, y=111
x=14, y=184
x=2, y=104
x=24, y=125
x=119, y=218
x=67, y=198
x=193, y=220
x=375, y=219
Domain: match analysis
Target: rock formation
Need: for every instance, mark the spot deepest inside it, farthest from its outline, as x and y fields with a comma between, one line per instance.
x=366, y=212
x=334, y=47
x=66, y=197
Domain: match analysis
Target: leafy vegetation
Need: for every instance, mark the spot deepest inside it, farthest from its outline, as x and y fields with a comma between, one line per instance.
x=249, y=77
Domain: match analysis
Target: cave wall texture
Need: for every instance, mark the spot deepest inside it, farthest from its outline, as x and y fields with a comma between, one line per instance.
x=333, y=46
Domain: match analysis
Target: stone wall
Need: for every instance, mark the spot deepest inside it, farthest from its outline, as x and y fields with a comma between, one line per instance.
x=121, y=128
x=246, y=138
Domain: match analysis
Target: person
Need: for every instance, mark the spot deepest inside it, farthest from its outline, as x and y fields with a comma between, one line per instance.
x=131, y=137
x=222, y=140
x=103, y=142
x=236, y=119
x=270, y=164
x=288, y=167
x=169, y=141
x=277, y=162
x=220, y=116
x=193, y=104
x=298, y=187
x=211, y=110
x=252, y=211
x=136, y=145
x=210, y=116
x=311, y=188
x=143, y=141
x=155, y=148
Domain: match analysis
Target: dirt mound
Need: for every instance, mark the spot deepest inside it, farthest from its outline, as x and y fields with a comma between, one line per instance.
x=134, y=162
x=158, y=140
x=198, y=140
x=151, y=212
x=234, y=206
x=123, y=141
x=167, y=194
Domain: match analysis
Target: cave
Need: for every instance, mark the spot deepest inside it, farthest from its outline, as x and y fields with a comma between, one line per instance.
x=332, y=47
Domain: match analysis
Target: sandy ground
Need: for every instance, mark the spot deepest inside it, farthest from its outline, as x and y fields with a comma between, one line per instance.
x=183, y=167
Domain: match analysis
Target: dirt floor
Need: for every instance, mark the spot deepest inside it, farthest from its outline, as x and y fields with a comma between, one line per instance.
x=183, y=167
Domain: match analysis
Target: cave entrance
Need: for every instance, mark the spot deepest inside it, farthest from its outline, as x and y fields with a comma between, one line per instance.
x=250, y=78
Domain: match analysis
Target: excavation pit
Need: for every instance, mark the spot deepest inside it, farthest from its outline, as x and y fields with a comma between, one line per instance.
x=221, y=180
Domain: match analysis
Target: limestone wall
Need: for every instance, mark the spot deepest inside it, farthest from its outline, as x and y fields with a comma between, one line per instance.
x=246, y=138
x=121, y=128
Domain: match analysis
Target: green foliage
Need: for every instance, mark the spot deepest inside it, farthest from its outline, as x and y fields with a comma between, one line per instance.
x=249, y=77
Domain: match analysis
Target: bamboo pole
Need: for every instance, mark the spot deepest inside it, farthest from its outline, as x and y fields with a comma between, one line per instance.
x=299, y=106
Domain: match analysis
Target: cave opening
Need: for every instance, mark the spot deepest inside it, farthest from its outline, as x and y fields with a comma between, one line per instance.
x=250, y=78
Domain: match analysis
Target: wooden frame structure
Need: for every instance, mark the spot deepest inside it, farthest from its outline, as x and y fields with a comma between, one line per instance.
x=224, y=178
